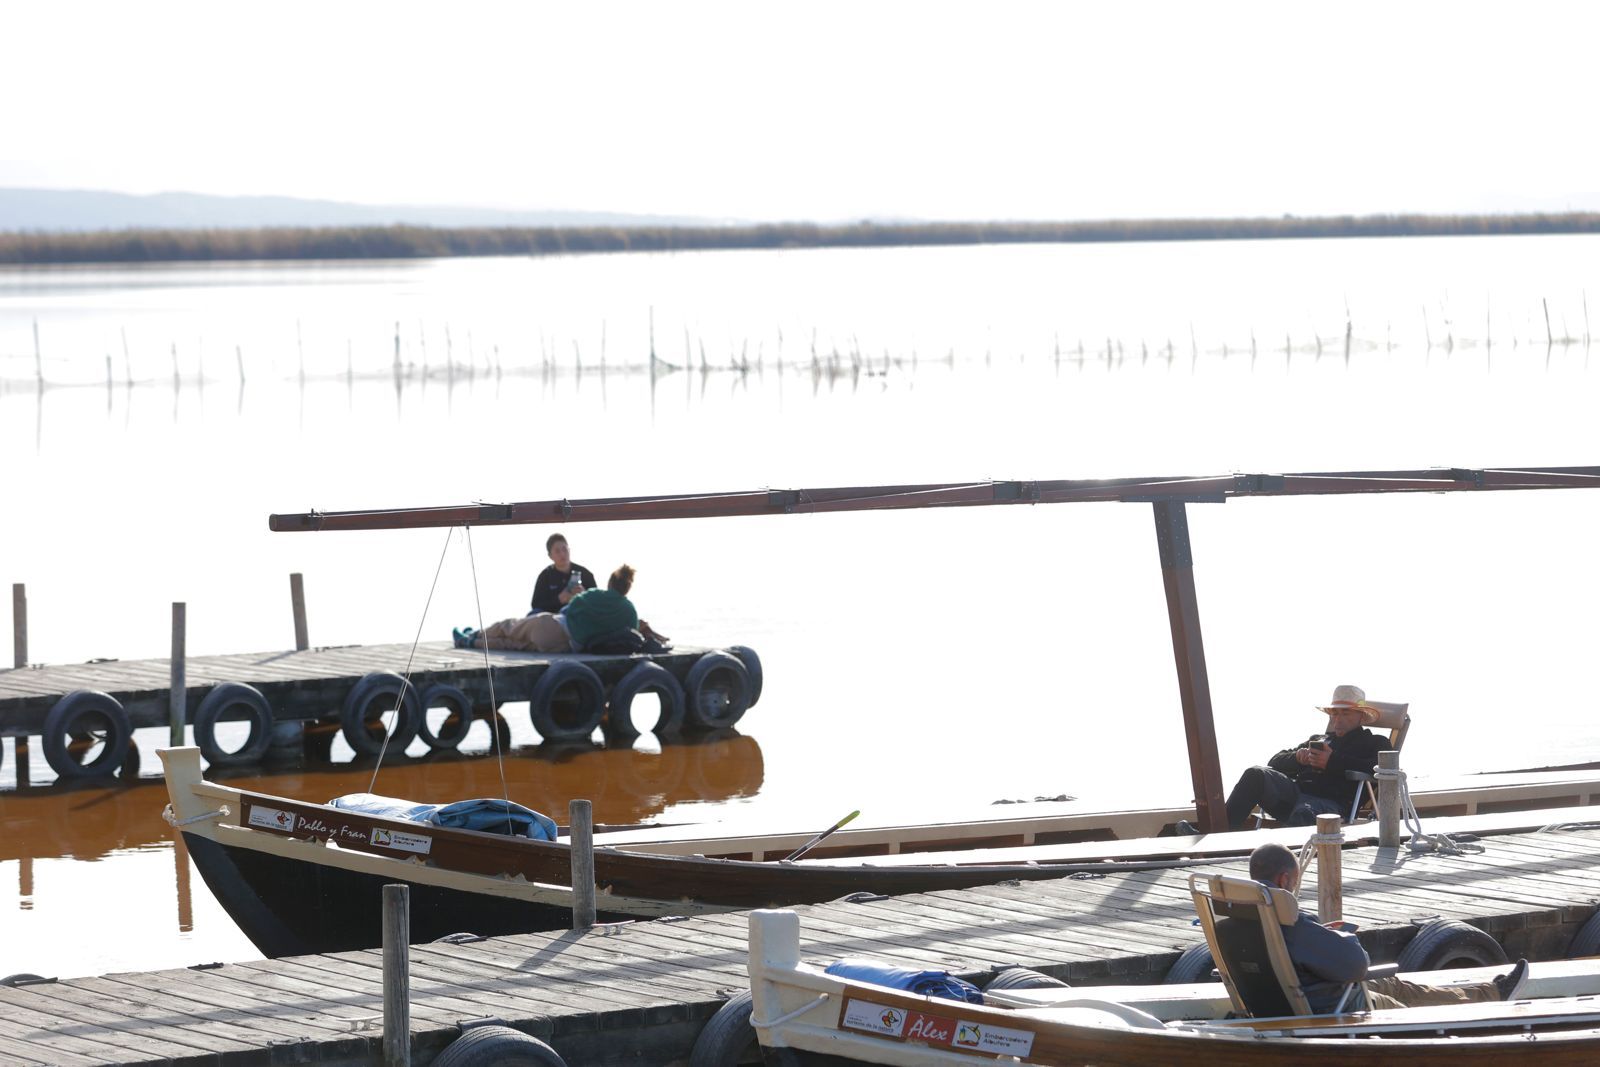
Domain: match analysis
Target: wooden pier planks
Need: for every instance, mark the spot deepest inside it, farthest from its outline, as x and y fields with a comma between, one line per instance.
x=302, y=684
x=637, y=993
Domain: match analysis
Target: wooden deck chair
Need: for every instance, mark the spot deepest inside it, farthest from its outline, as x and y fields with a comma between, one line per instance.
x=1395, y=718
x=1243, y=922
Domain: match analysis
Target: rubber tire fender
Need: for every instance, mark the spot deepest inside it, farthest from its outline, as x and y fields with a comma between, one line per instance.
x=1194, y=965
x=222, y=698
x=443, y=694
x=646, y=675
x=752, y=666
x=1450, y=943
x=497, y=1046
x=592, y=701
x=1586, y=942
x=1023, y=978
x=58, y=724
x=727, y=1038
x=353, y=716
x=695, y=685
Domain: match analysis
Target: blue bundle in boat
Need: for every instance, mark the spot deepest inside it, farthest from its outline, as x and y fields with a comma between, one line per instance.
x=925, y=983
x=486, y=814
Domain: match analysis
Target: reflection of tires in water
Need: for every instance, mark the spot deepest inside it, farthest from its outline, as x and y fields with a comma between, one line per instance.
x=375, y=695
x=86, y=735
x=647, y=676
x=448, y=706
x=717, y=690
x=567, y=702
x=649, y=778
x=723, y=764
x=228, y=703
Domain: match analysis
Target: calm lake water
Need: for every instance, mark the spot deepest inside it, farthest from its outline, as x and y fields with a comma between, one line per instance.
x=917, y=663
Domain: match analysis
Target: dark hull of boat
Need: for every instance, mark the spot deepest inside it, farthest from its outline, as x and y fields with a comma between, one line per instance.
x=288, y=907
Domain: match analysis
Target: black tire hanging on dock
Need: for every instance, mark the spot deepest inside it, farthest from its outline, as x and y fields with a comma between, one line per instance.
x=568, y=702
x=75, y=713
x=1195, y=965
x=497, y=1046
x=1586, y=942
x=727, y=1038
x=1449, y=943
x=1023, y=978
x=232, y=698
x=646, y=676
x=367, y=700
x=752, y=667
x=717, y=690
x=455, y=727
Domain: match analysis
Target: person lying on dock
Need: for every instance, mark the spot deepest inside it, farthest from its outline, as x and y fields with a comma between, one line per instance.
x=560, y=582
x=1327, y=959
x=543, y=631
x=606, y=620
x=1300, y=783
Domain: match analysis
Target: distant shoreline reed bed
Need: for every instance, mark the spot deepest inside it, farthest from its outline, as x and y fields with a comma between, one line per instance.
x=425, y=242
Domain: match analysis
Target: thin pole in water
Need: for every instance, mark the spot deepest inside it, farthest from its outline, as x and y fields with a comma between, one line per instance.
x=178, y=694
x=19, y=624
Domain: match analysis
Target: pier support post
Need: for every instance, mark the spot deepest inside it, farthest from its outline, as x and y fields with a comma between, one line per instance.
x=397, y=976
x=1388, y=800
x=1330, y=868
x=178, y=694
x=1183, y=612
x=19, y=624
x=580, y=814
x=297, y=597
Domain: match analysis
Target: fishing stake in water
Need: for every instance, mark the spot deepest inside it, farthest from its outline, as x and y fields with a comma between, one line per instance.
x=809, y=845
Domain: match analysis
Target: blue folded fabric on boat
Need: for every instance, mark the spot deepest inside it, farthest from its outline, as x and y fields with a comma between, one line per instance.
x=486, y=814
x=925, y=983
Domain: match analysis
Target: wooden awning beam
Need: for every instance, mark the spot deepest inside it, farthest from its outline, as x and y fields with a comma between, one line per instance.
x=943, y=495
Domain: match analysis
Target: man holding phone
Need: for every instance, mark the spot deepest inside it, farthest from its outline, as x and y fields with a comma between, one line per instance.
x=1300, y=783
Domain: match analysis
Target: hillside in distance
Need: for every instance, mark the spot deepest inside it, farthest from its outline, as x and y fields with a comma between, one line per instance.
x=85, y=210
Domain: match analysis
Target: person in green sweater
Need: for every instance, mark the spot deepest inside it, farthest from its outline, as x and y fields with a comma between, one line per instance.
x=598, y=613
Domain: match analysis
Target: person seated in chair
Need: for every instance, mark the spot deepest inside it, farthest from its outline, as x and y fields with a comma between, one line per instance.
x=597, y=616
x=1300, y=783
x=1326, y=960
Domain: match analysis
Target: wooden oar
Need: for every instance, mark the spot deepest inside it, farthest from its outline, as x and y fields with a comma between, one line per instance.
x=809, y=845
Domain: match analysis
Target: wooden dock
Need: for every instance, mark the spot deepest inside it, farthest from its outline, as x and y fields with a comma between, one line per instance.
x=639, y=993
x=305, y=684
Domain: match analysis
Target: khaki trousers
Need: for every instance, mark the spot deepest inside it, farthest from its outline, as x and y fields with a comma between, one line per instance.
x=541, y=632
x=1384, y=993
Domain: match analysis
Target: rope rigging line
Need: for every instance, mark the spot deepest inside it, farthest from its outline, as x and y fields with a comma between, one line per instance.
x=400, y=697
x=488, y=670
x=1441, y=843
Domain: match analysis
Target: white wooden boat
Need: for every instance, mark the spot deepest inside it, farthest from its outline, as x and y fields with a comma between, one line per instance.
x=803, y=1016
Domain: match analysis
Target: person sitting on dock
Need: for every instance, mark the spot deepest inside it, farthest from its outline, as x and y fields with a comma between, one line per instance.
x=1300, y=783
x=597, y=619
x=1327, y=959
x=560, y=582
x=543, y=631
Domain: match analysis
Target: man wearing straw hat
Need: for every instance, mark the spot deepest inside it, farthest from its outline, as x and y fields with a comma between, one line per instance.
x=1300, y=783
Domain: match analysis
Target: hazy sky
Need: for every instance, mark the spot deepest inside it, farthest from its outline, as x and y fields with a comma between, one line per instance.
x=820, y=110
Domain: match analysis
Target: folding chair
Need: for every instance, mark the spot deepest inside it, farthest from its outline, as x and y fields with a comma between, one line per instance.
x=1397, y=720
x=1243, y=922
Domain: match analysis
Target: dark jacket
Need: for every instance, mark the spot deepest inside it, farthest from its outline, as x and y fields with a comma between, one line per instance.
x=1325, y=960
x=548, y=586
x=1355, y=751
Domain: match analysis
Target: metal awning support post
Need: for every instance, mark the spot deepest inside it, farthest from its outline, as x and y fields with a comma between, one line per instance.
x=1183, y=612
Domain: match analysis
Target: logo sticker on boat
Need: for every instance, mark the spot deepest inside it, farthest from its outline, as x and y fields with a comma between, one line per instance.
x=999, y=1040
x=874, y=1018
x=401, y=840
x=271, y=819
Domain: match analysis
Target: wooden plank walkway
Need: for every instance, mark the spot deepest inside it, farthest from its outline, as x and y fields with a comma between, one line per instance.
x=639, y=993
x=298, y=685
